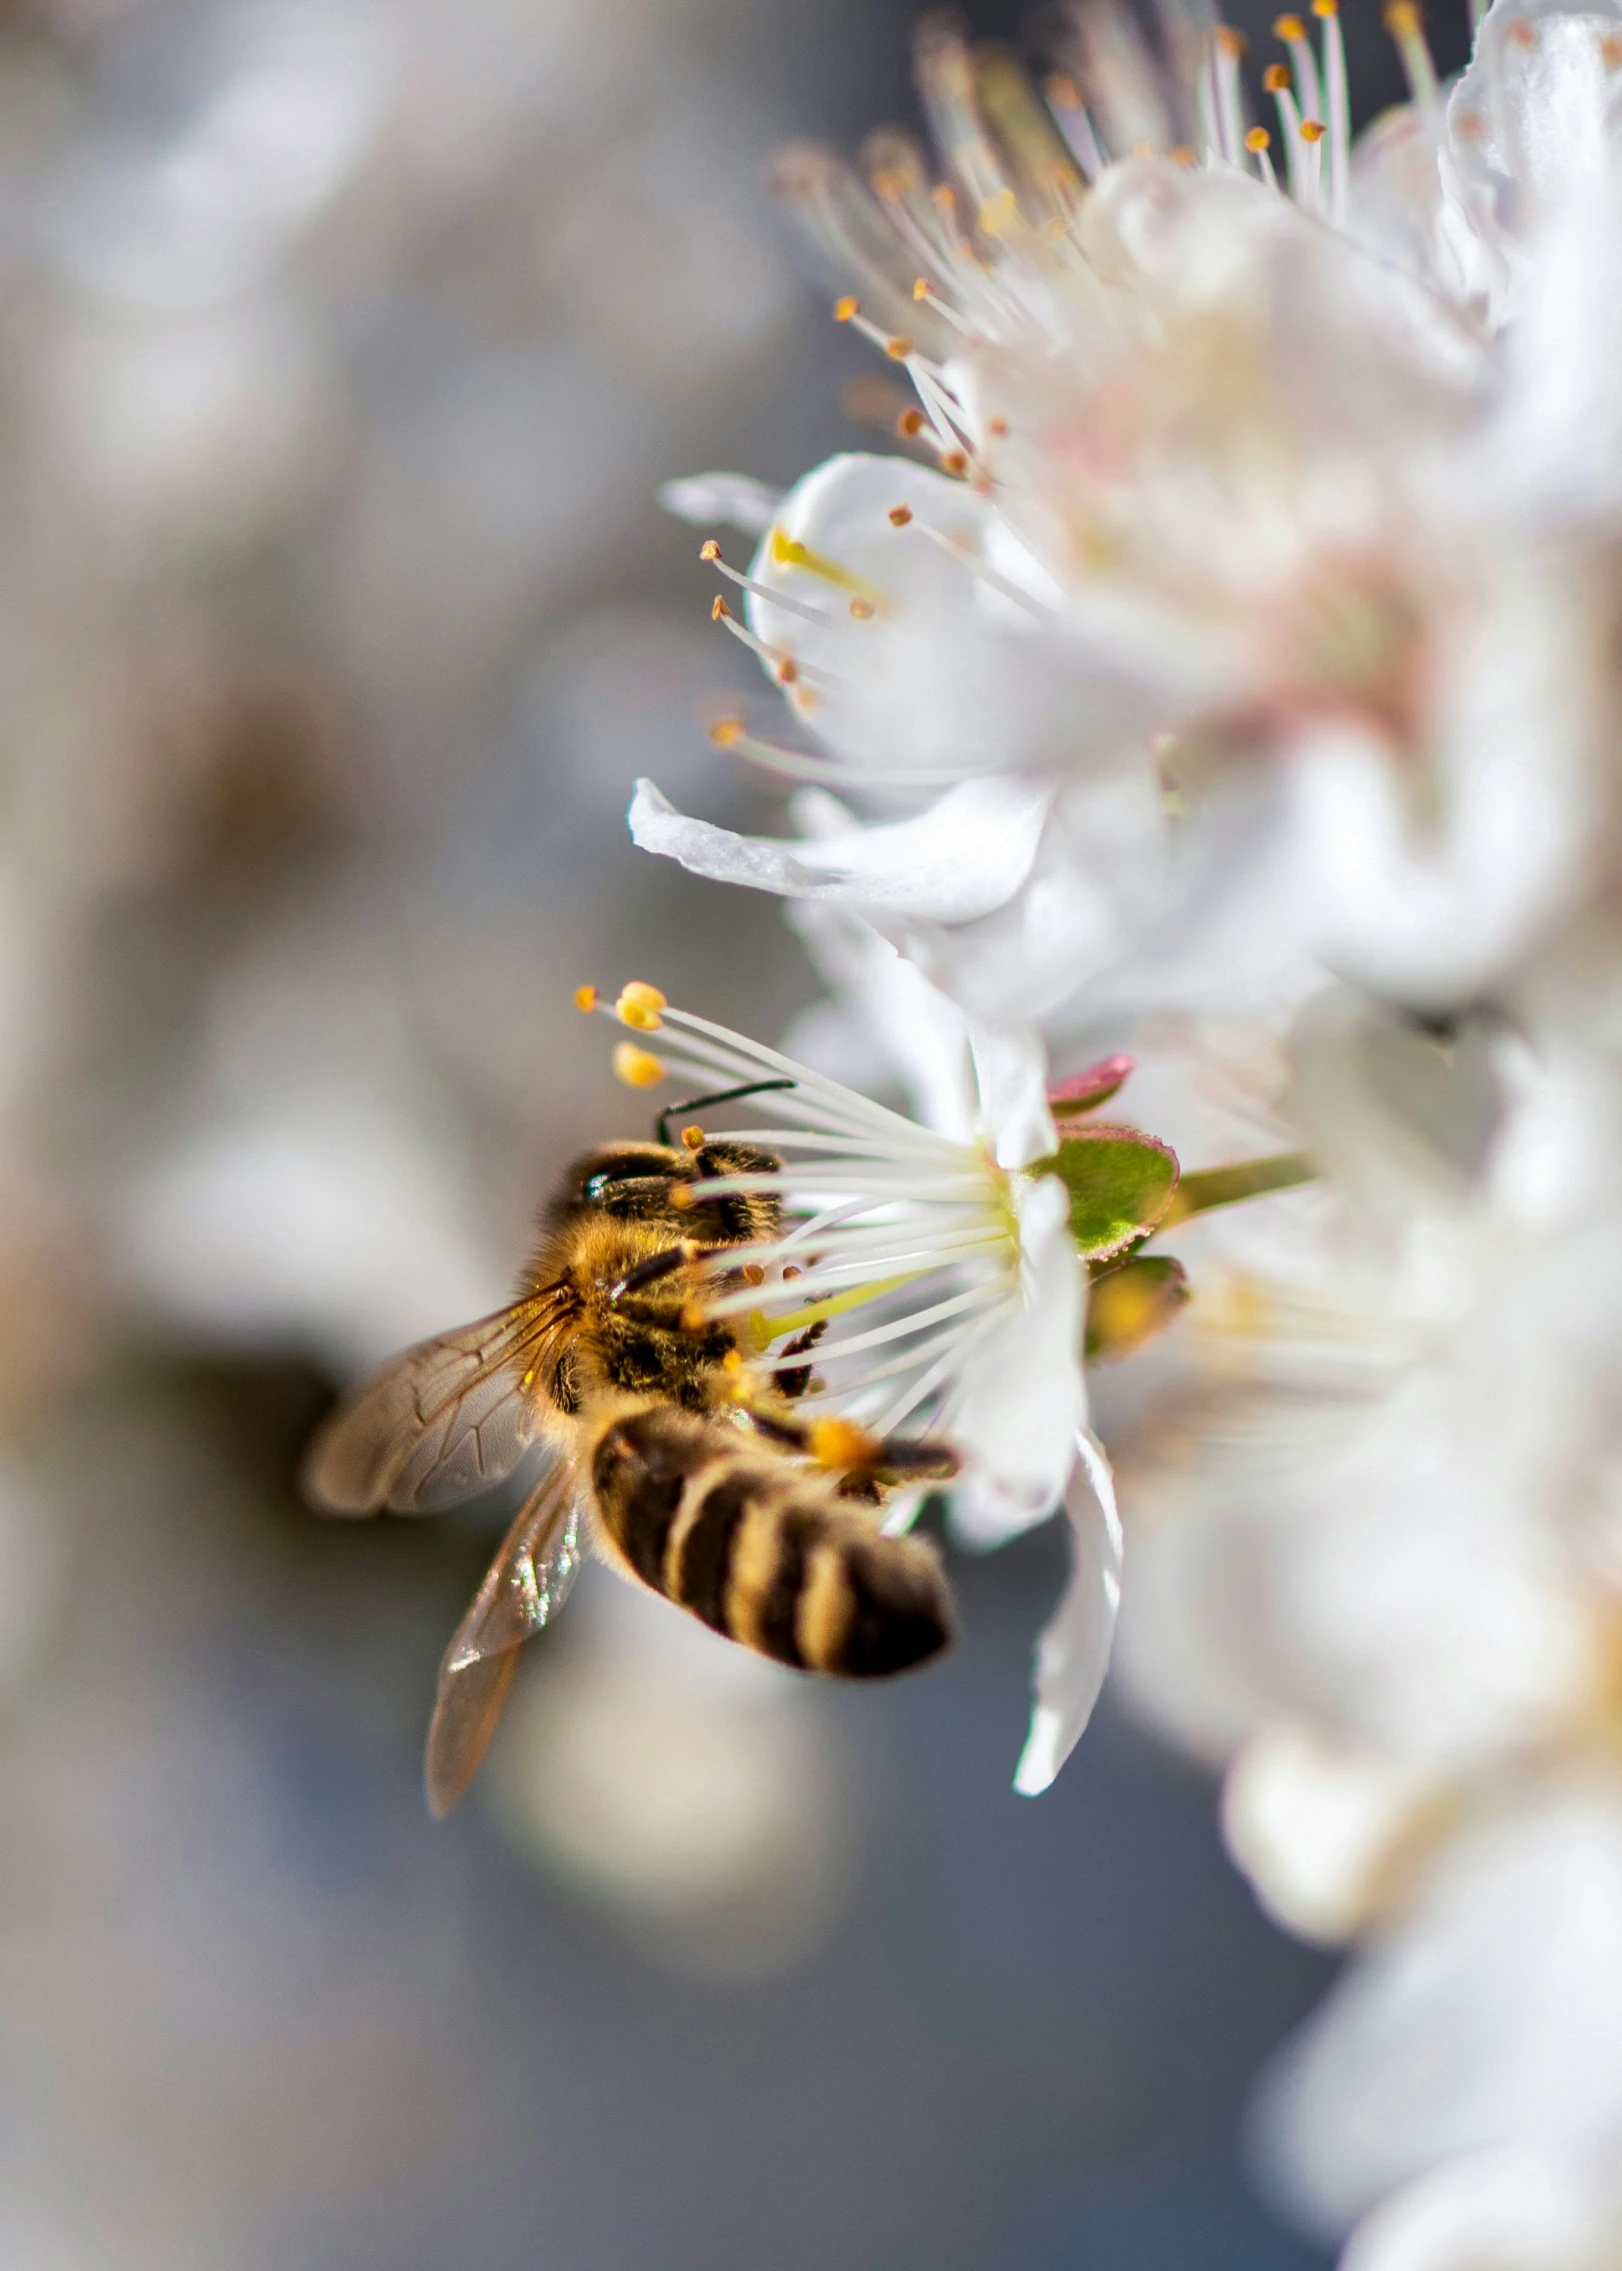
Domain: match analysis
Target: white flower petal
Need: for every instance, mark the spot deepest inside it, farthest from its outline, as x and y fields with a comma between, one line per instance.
x=1019, y=1410
x=963, y=857
x=1073, y=1653
x=722, y=500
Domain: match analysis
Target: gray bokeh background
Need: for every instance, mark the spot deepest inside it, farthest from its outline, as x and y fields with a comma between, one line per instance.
x=341, y=350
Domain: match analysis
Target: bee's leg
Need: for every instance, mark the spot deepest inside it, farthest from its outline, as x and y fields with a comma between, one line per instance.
x=796, y=1381
x=655, y=1267
x=701, y=1103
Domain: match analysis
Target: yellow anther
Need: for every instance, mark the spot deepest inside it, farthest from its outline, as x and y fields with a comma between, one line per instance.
x=639, y=1006
x=999, y=214
x=719, y=610
x=1312, y=130
x=1229, y=40
x=920, y=287
x=862, y=609
x=1257, y=139
x=709, y=549
x=638, y=1069
x=956, y=463
x=1400, y=16
x=910, y=424
x=1325, y=9
x=693, y=1138
x=899, y=515
x=753, y=1274
x=840, y=1444
x=1276, y=78
x=585, y=997
x=899, y=348
x=1289, y=27
x=1061, y=92
x=1182, y=155
x=1610, y=51
x=793, y=1270
x=997, y=428
x=847, y=309
x=788, y=671
x=725, y=732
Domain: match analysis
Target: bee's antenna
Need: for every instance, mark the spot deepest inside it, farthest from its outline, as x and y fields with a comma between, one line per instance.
x=721, y=1096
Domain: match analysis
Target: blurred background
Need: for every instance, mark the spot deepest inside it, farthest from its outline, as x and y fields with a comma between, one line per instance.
x=342, y=348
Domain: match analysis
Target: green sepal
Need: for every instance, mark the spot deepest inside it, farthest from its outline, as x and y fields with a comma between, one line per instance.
x=1209, y=1187
x=1120, y=1182
x=1131, y=1301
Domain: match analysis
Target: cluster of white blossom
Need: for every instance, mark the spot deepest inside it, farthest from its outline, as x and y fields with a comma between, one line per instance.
x=1233, y=657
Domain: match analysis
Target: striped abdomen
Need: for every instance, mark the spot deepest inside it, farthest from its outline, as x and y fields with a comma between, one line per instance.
x=763, y=1550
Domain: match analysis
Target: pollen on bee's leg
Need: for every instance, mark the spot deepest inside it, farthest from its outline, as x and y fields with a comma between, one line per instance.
x=639, y=1006
x=840, y=1444
x=681, y=1198
x=638, y=1068
x=694, y=1317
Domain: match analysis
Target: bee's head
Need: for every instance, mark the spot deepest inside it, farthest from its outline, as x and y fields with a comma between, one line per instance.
x=630, y=1181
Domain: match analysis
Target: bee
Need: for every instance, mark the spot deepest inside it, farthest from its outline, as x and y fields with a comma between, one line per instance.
x=650, y=1444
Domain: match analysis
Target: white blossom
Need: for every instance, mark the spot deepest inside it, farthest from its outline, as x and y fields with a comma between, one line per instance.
x=932, y=1281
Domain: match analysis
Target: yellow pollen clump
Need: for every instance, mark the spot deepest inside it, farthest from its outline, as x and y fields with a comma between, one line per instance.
x=585, y=997
x=1230, y=41
x=732, y=1361
x=1289, y=27
x=1312, y=130
x=899, y=515
x=1257, y=139
x=920, y=287
x=840, y=1444
x=1276, y=78
x=725, y=732
x=681, y=1198
x=709, y=549
x=899, y=348
x=1324, y=9
x=847, y=309
x=638, y=1069
x=639, y=1006
x=693, y=1138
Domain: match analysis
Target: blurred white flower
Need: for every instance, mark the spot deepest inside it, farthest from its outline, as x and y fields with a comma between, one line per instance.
x=1227, y=537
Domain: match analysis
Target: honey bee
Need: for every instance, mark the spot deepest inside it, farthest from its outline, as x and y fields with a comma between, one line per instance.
x=727, y=1502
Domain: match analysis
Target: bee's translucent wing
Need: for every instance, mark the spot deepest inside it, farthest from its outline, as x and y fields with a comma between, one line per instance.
x=445, y=1420
x=525, y=1586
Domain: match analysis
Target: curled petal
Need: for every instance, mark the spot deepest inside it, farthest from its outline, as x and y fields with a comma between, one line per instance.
x=1072, y=1655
